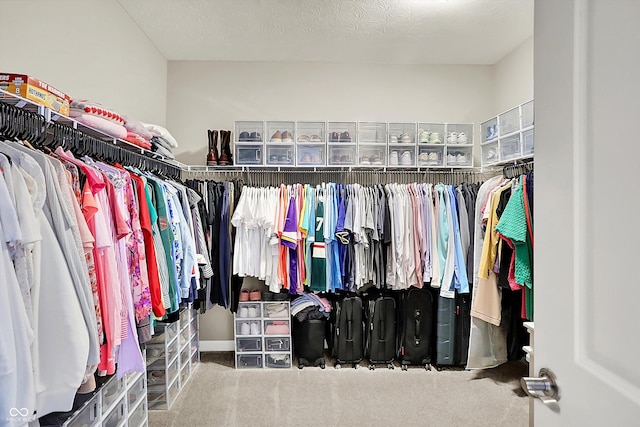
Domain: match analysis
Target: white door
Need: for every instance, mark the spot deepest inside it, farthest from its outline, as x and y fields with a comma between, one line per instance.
x=587, y=209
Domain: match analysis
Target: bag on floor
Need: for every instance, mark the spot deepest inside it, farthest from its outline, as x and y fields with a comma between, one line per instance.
x=348, y=331
x=308, y=342
x=417, y=315
x=381, y=345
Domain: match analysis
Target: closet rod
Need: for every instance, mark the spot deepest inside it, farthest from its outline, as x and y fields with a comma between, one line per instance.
x=23, y=125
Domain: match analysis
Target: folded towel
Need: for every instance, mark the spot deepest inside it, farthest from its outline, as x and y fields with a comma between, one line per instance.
x=158, y=140
x=162, y=151
x=103, y=125
x=136, y=139
x=158, y=130
x=135, y=126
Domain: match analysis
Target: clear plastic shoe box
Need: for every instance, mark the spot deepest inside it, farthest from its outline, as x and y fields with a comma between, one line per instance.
x=341, y=155
x=280, y=155
x=459, y=156
x=527, y=114
x=311, y=132
x=431, y=133
x=430, y=156
x=489, y=130
x=490, y=153
x=402, y=155
x=509, y=121
x=341, y=132
x=247, y=131
x=372, y=133
x=402, y=133
x=459, y=134
x=510, y=147
x=248, y=154
x=528, y=137
x=372, y=155
x=281, y=132
x=311, y=155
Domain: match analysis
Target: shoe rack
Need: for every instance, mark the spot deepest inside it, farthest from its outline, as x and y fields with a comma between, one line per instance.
x=262, y=331
x=354, y=144
x=509, y=136
x=172, y=356
x=118, y=402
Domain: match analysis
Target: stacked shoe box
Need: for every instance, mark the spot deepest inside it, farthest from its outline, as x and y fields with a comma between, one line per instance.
x=263, y=335
x=342, y=147
x=402, y=144
x=280, y=145
x=372, y=141
x=311, y=143
x=508, y=136
x=249, y=143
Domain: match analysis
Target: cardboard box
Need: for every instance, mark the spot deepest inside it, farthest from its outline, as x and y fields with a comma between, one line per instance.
x=35, y=90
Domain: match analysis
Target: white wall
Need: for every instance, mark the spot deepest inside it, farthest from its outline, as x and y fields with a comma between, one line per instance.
x=88, y=49
x=212, y=95
x=514, y=77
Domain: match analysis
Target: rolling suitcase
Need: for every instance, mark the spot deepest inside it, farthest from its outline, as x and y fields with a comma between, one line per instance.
x=308, y=342
x=446, y=332
x=348, y=331
x=463, y=328
x=417, y=317
x=381, y=331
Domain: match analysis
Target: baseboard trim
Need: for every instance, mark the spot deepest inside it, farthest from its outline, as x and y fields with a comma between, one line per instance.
x=217, y=345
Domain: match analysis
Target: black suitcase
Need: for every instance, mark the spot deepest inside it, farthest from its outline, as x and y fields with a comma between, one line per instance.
x=308, y=342
x=463, y=328
x=417, y=316
x=348, y=331
x=381, y=346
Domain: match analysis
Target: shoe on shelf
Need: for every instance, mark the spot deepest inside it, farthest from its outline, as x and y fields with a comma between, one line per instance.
x=156, y=377
x=255, y=136
x=315, y=138
x=462, y=138
x=345, y=158
x=306, y=158
x=286, y=136
x=276, y=137
x=452, y=138
x=255, y=328
x=334, y=137
x=423, y=158
x=255, y=295
x=244, y=295
x=393, y=158
x=245, y=329
x=345, y=137
x=492, y=154
x=461, y=159
x=244, y=136
x=252, y=311
x=365, y=161
x=434, y=138
x=451, y=160
x=405, y=138
x=405, y=159
x=376, y=160
x=433, y=159
x=316, y=158
x=423, y=136
x=303, y=138
x=393, y=139
x=243, y=311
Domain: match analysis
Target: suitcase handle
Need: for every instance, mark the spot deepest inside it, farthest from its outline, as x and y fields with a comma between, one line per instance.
x=417, y=314
x=349, y=316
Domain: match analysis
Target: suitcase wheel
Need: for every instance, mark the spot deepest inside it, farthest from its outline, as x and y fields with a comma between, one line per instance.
x=428, y=367
x=356, y=366
x=300, y=366
x=337, y=366
x=390, y=366
x=322, y=366
x=404, y=367
x=372, y=367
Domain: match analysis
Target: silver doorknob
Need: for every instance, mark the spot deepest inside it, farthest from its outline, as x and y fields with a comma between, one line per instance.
x=545, y=387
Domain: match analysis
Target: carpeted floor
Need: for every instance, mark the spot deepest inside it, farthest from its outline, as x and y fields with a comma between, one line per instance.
x=219, y=395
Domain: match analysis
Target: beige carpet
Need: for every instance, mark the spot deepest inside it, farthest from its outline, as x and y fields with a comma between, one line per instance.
x=219, y=395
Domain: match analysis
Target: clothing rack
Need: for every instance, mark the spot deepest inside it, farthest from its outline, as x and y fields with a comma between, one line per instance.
x=517, y=168
x=20, y=124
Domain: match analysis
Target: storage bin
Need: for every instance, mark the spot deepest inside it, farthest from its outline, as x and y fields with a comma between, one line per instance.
x=185, y=317
x=277, y=344
x=195, y=358
x=244, y=345
x=139, y=415
x=281, y=132
x=277, y=327
x=163, y=398
x=185, y=355
x=278, y=360
x=509, y=122
x=88, y=415
x=527, y=114
x=372, y=133
x=401, y=155
x=248, y=361
x=510, y=147
x=431, y=156
x=136, y=392
x=111, y=392
x=372, y=155
x=528, y=137
x=184, y=374
x=431, y=133
x=459, y=134
x=194, y=343
x=249, y=310
x=247, y=131
x=490, y=153
x=311, y=132
x=282, y=154
x=248, y=154
x=248, y=327
x=402, y=133
x=311, y=155
x=489, y=130
x=341, y=155
x=185, y=336
x=276, y=310
x=459, y=156
x=159, y=377
x=341, y=132
x=116, y=416
x=162, y=351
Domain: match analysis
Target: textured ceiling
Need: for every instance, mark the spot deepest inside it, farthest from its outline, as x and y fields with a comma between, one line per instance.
x=356, y=31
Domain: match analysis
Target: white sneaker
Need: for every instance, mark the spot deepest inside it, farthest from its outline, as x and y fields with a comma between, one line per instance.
x=393, y=139
x=451, y=159
x=461, y=159
x=434, y=138
x=423, y=158
x=365, y=161
x=255, y=328
x=492, y=154
x=393, y=158
x=405, y=160
x=433, y=159
x=253, y=312
x=423, y=136
x=245, y=329
x=452, y=138
x=462, y=138
x=243, y=312
x=405, y=138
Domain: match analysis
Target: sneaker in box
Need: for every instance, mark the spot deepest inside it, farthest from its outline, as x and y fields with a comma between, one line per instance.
x=35, y=90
